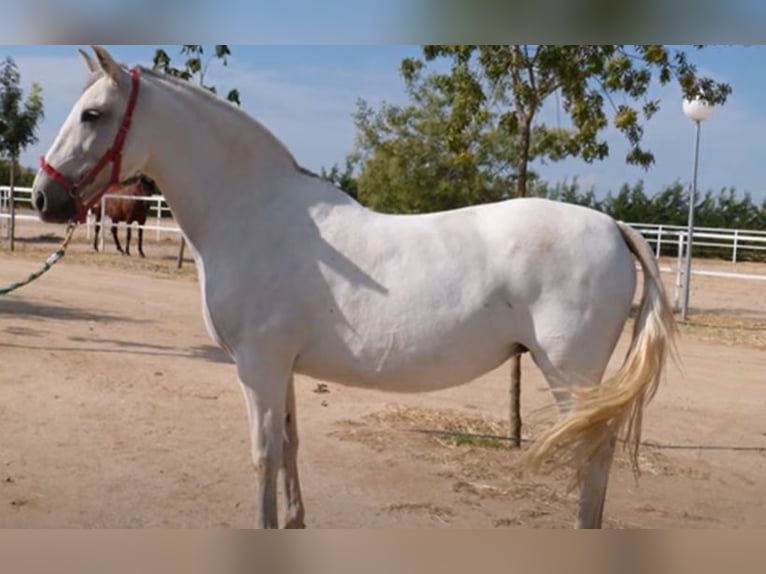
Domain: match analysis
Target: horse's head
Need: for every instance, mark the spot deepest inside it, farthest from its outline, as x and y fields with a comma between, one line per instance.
x=91, y=150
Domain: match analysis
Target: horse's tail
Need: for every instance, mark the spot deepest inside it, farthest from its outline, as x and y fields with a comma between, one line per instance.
x=601, y=413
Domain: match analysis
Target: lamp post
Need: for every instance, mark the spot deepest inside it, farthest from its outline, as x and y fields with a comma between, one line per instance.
x=698, y=111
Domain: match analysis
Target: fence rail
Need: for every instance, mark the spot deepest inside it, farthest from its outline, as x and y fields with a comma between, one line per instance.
x=733, y=240
x=660, y=236
x=158, y=203
x=159, y=211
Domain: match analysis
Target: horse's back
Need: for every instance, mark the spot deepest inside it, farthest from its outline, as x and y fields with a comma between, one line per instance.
x=546, y=239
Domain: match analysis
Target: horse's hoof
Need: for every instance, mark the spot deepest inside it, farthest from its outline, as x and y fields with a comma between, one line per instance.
x=296, y=523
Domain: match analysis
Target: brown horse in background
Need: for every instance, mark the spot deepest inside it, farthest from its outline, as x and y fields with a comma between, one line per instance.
x=127, y=210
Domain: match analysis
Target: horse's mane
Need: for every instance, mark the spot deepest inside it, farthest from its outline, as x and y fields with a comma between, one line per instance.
x=229, y=107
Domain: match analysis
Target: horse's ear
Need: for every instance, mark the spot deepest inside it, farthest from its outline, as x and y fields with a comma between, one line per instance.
x=92, y=66
x=107, y=63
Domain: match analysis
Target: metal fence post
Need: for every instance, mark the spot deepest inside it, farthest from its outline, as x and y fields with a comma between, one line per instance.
x=679, y=271
x=159, y=216
x=101, y=224
x=659, y=242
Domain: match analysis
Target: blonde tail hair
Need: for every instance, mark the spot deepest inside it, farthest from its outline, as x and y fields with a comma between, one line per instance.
x=600, y=414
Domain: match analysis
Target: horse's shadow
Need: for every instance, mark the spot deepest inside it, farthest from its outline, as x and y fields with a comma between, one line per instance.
x=34, y=310
x=28, y=309
x=205, y=352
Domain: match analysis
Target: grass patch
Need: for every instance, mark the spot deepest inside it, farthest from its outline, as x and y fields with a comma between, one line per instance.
x=460, y=439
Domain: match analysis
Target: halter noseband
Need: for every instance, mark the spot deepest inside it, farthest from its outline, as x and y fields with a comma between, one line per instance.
x=113, y=155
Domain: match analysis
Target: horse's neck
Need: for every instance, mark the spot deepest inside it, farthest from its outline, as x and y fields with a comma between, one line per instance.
x=210, y=162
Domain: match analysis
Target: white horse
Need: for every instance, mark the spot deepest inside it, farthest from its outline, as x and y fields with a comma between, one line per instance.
x=297, y=277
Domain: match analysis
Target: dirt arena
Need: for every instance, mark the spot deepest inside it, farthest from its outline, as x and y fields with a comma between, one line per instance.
x=116, y=410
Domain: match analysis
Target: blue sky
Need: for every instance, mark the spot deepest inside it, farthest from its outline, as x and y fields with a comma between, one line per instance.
x=307, y=94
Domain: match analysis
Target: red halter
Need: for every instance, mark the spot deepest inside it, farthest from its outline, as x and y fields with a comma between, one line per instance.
x=113, y=155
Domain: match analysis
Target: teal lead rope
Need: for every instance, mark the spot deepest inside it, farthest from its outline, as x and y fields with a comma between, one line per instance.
x=47, y=264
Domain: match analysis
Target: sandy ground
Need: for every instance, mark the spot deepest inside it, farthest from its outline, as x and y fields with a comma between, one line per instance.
x=116, y=410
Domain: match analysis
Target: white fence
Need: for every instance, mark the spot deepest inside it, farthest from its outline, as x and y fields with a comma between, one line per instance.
x=160, y=225
x=736, y=241
x=160, y=217
x=22, y=195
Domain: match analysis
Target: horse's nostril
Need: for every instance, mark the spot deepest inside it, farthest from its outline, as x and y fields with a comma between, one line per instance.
x=40, y=201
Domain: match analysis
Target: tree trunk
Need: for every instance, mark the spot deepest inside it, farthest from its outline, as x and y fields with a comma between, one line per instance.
x=12, y=205
x=180, y=261
x=515, y=406
x=521, y=167
x=514, y=415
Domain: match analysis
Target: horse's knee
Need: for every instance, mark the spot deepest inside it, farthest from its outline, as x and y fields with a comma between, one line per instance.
x=266, y=458
x=260, y=466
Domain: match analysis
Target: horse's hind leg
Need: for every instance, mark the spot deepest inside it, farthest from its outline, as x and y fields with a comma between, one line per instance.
x=141, y=240
x=594, y=486
x=116, y=239
x=295, y=511
x=127, y=238
x=577, y=367
x=265, y=389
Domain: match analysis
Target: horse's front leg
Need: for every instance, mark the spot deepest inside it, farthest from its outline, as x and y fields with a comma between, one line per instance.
x=97, y=227
x=265, y=386
x=294, y=515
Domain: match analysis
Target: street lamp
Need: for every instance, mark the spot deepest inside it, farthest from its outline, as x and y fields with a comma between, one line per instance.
x=698, y=111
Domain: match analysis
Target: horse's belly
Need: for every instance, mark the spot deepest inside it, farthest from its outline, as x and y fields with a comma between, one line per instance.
x=413, y=376
x=407, y=361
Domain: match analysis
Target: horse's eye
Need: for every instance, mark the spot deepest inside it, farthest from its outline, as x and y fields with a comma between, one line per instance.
x=90, y=115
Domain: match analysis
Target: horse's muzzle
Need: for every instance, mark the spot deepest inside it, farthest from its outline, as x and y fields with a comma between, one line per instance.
x=52, y=202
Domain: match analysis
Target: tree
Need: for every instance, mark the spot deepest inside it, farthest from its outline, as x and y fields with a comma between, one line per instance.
x=344, y=180
x=513, y=82
x=434, y=153
x=23, y=176
x=194, y=69
x=196, y=65
x=18, y=125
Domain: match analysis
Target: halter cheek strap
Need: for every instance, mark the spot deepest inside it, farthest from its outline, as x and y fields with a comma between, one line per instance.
x=113, y=155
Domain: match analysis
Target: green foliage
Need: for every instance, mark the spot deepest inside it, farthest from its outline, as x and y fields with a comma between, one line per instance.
x=344, y=180
x=472, y=125
x=465, y=439
x=18, y=124
x=23, y=176
x=442, y=151
x=18, y=118
x=196, y=65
